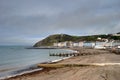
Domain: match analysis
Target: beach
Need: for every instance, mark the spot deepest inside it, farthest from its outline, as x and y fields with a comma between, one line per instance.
x=107, y=72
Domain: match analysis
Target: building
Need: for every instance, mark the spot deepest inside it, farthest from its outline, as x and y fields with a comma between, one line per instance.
x=117, y=34
x=60, y=44
x=116, y=43
x=81, y=44
x=68, y=44
x=89, y=44
x=55, y=44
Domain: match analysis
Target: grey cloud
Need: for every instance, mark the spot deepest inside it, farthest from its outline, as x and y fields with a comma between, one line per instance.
x=38, y=18
x=91, y=19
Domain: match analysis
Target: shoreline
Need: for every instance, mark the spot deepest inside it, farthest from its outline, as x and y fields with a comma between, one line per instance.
x=37, y=69
x=61, y=73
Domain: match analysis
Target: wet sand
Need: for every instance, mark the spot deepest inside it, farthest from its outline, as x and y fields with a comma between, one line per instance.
x=80, y=73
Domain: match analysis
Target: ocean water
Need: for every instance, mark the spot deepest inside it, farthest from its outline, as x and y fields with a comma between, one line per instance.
x=15, y=60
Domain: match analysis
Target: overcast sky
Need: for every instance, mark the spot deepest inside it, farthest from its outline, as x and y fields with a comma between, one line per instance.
x=25, y=22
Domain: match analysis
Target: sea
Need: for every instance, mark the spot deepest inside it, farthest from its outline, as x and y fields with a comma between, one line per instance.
x=18, y=60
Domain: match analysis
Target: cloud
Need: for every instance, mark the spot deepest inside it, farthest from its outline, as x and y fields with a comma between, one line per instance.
x=19, y=40
x=92, y=21
x=39, y=18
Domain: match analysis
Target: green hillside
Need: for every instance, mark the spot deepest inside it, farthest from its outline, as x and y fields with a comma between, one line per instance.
x=64, y=37
x=56, y=38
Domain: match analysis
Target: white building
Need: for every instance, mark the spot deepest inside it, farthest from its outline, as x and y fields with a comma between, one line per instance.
x=116, y=34
x=55, y=44
x=60, y=44
x=116, y=43
x=81, y=44
x=75, y=44
x=89, y=44
x=68, y=44
x=107, y=44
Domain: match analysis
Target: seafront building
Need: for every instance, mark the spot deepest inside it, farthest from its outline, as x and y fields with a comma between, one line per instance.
x=116, y=34
x=97, y=45
x=63, y=44
x=68, y=44
x=71, y=44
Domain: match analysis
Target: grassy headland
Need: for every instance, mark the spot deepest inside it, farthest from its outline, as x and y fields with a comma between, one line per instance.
x=48, y=41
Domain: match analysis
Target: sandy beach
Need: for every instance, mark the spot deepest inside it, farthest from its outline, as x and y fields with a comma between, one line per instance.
x=110, y=72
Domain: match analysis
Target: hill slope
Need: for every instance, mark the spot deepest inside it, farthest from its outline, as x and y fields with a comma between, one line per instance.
x=56, y=38
x=64, y=37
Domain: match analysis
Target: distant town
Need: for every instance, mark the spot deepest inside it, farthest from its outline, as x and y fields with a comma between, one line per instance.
x=67, y=41
x=100, y=44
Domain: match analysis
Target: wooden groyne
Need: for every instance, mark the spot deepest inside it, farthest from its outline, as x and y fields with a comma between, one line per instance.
x=62, y=54
x=73, y=54
x=67, y=54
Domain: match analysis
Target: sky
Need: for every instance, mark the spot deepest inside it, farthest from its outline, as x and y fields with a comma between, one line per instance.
x=24, y=22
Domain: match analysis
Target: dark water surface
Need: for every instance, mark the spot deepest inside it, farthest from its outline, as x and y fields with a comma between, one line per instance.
x=17, y=59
